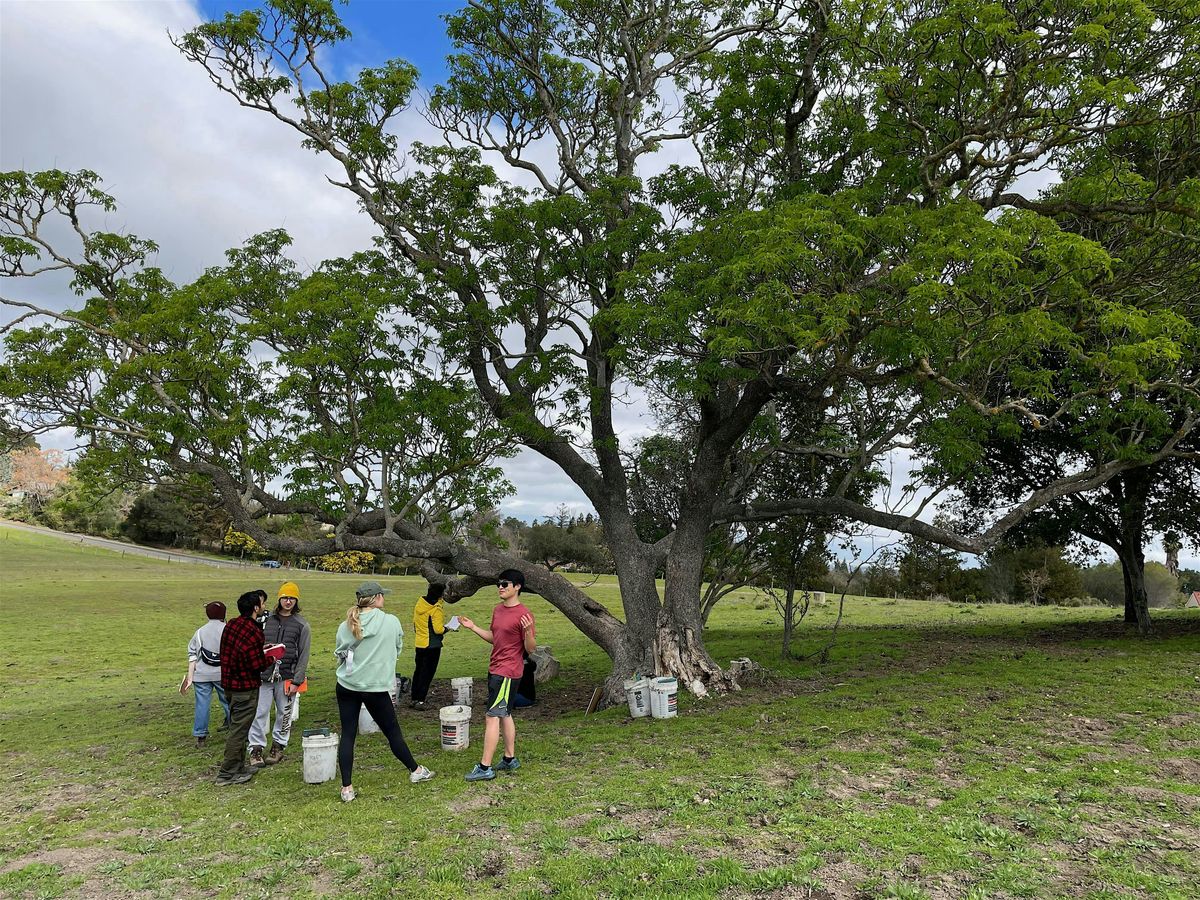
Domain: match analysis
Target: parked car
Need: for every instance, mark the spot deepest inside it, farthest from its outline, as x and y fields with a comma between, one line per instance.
x=270, y=564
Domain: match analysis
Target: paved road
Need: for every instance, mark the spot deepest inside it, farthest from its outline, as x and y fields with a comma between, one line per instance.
x=130, y=549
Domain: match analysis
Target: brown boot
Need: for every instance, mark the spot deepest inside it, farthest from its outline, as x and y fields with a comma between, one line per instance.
x=256, y=760
x=276, y=755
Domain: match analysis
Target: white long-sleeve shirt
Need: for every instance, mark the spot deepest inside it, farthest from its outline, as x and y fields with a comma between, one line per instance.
x=204, y=648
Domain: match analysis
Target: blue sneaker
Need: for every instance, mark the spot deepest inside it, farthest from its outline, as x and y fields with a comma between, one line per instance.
x=479, y=773
x=508, y=765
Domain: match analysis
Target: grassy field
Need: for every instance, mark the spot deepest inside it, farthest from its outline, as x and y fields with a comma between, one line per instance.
x=944, y=750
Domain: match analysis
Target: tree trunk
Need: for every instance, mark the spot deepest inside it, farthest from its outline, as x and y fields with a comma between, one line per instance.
x=1130, y=613
x=1172, y=545
x=1137, y=602
x=1132, y=513
x=633, y=653
x=789, y=607
x=678, y=645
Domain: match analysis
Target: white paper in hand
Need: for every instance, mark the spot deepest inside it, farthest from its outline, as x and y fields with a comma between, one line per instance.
x=452, y=625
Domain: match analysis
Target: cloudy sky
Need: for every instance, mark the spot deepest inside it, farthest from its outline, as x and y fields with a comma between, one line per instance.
x=98, y=85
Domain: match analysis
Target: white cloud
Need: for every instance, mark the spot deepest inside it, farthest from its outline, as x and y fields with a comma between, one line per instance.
x=99, y=86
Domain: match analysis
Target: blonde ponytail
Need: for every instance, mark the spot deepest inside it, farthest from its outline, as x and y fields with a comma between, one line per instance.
x=353, y=613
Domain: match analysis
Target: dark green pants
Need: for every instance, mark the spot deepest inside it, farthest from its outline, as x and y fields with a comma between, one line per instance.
x=242, y=705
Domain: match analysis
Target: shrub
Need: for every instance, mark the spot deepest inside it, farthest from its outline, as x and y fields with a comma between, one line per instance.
x=1081, y=601
x=345, y=561
x=236, y=542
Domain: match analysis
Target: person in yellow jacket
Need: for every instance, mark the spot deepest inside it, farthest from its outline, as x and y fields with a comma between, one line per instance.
x=429, y=627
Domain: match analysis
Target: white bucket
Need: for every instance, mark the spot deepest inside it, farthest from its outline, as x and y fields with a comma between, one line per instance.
x=462, y=691
x=366, y=725
x=320, y=757
x=637, y=693
x=664, y=697
x=456, y=727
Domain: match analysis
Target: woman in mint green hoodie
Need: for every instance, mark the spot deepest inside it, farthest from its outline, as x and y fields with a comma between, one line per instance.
x=368, y=643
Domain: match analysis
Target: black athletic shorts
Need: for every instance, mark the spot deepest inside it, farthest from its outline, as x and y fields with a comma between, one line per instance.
x=501, y=692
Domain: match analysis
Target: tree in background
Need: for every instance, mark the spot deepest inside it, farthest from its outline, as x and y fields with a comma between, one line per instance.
x=175, y=513
x=1010, y=573
x=1155, y=272
x=37, y=474
x=881, y=576
x=86, y=505
x=1106, y=581
x=1172, y=544
x=571, y=545
x=798, y=555
x=1189, y=580
x=11, y=438
x=928, y=571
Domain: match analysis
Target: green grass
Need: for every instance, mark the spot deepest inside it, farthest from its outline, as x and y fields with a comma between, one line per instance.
x=944, y=750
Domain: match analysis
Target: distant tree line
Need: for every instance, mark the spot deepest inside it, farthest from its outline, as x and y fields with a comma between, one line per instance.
x=1034, y=573
x=41, y=488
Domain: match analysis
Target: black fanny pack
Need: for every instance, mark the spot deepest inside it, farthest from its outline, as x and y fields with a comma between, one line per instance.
x=209, y=658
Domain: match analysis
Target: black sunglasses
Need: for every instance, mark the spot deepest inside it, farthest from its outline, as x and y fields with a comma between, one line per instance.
x=504, y=584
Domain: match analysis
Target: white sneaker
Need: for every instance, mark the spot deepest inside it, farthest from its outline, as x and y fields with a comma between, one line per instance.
x=347, y=794
x=420, y=773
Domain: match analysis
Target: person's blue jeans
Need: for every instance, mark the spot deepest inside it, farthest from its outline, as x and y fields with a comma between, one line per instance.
x=204, y=691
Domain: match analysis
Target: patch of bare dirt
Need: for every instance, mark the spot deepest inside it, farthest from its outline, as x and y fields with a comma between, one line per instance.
x=1102, y=830
x=512, y=854
x=778, y=776
x=1083, y=730
x=1073, y=882
x=324, y=883
x=761, y=849
x=1183, y=769
x=1073, y=878
x=788, y=892
x=641, y=820
x=945, y=769
x=880, y=786
x=1181, y=720
x=79, y=862
x=491, y=866
x=1160, y=798
x=593, y=847
x=72, y=860
x=671, y=836
x=841, y=880
x=473, y=801
x=52, y=795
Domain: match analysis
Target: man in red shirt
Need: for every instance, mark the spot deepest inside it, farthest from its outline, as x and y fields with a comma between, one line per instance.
x=242, y=659
x=511, y=637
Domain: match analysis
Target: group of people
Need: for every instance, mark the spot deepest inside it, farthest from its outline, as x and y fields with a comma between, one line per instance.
x=258, y=662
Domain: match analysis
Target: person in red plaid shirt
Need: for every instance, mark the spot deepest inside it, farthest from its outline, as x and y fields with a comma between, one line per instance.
x=242, y=661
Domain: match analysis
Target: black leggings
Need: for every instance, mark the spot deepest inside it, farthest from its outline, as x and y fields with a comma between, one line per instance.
x=427, y=663
x=379, y=705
